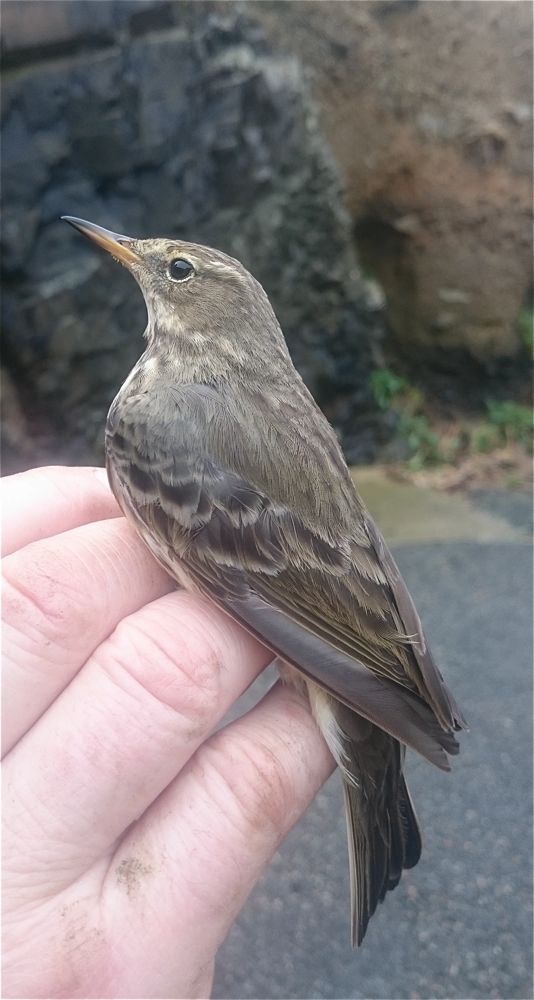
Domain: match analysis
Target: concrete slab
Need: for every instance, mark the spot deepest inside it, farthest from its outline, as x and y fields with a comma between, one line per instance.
x=407, y=513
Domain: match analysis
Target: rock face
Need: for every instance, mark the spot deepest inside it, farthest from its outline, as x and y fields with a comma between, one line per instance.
x=162, y=119
x=428, y=108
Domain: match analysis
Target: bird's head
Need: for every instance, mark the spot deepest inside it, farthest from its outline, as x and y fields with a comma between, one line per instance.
x=192, y=292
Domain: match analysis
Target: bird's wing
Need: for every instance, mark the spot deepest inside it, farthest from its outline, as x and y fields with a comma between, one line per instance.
x=336, y=608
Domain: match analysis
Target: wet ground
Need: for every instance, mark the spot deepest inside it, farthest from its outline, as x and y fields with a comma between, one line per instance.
x=459, y=925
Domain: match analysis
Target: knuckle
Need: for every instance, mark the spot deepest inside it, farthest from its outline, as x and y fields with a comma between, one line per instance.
x=40, y=598
x=253, y=780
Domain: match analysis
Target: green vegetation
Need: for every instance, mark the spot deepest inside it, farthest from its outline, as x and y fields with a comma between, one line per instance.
x=507, y=422
x=420, y=440
x=525, y=324
x=386, y=386
x=512, y=421
x=425, y=444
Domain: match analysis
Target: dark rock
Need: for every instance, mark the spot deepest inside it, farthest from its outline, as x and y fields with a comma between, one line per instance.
x=198, y=131
x=23, y=166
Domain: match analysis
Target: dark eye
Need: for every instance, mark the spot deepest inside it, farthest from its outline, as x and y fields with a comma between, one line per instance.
x=180, y=269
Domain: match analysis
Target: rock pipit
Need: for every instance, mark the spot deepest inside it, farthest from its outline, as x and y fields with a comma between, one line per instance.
x=219, y=456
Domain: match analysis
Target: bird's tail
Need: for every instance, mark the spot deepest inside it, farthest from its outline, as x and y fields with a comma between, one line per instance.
x=381, y=844
x=382, y=828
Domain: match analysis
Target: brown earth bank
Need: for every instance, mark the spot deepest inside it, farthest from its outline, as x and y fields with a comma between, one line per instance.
x=428, y=109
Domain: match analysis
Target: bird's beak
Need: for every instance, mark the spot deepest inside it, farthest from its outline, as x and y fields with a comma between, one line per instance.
x=119, y=247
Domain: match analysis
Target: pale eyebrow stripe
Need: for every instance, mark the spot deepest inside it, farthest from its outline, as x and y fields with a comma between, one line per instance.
x=214, y=262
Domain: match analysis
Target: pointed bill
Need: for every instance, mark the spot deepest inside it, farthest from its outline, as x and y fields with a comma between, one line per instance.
x=120, y=247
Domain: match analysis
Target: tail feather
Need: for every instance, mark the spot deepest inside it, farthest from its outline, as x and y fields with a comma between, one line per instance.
x=382, y=829
x=413, y=843
x=383, y=833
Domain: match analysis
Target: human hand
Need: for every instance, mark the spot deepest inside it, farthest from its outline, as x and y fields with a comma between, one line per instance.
x=132, y=835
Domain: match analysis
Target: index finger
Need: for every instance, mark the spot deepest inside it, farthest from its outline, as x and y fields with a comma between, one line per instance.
x=48, y=501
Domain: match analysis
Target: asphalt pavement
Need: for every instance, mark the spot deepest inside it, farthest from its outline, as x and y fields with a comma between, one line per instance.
x=460, y=924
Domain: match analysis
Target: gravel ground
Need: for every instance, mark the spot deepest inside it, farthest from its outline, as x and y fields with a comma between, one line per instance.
x=459, y=925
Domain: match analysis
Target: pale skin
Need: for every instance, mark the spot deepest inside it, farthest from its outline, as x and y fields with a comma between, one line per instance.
x=132, y=833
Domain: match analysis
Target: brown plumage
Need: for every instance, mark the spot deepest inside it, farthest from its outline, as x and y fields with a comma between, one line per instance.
x=235, y=480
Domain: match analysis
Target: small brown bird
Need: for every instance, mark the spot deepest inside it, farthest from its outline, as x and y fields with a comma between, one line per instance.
x=218, y=454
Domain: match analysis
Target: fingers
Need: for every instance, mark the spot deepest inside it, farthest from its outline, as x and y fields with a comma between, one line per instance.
x=124, y=728
x=44, y=502
x=61, y=597
x=194, y=857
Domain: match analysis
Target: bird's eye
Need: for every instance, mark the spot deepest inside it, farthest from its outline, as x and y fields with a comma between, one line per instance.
x=180, y=269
